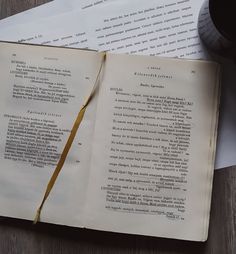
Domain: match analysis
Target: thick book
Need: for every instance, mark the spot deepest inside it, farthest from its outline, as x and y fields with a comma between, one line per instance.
x=142, y=160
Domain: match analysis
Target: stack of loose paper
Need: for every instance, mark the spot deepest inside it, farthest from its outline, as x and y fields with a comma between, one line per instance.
x=155, y=27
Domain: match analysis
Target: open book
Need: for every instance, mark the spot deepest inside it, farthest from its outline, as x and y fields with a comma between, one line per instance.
x=142, y=160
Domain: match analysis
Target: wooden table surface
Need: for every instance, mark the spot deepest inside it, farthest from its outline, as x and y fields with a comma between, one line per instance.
x=17, y=236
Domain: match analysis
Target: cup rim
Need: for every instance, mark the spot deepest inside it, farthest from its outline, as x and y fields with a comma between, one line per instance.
x=220, y=30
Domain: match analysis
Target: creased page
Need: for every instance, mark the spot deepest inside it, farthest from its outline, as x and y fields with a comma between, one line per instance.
x=42, y=91
x=153, y=148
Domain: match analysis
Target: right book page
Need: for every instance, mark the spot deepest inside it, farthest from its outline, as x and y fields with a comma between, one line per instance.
x=154, y=146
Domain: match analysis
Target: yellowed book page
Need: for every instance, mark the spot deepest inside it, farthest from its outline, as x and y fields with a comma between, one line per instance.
x=42, y=91
x=153, y=148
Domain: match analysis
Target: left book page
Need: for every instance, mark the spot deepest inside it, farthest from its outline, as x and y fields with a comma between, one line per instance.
x=42, y=91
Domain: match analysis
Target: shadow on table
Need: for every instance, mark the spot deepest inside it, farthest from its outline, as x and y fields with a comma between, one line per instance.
x=47, y=238
x=57, y=238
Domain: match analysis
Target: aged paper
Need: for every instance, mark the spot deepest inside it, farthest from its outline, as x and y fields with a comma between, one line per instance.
x=95, y=34
x=78, y=34
x=42, y=92
x=140, y=154
x=158, y=145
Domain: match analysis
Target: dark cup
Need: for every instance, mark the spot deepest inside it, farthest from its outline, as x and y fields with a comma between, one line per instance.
x=217, y=26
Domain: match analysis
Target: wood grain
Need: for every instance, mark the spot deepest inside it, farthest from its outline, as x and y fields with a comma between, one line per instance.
x=17, y=236
x=11, y=7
